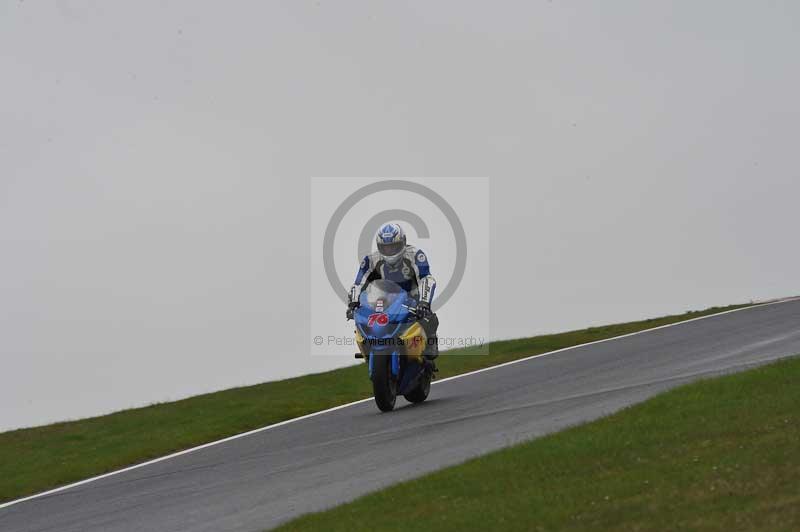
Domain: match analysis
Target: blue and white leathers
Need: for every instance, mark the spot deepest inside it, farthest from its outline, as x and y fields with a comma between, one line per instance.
x=412, y=273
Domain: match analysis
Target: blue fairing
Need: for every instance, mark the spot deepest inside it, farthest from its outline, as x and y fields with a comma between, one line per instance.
x=397, y=314
x=394, y=320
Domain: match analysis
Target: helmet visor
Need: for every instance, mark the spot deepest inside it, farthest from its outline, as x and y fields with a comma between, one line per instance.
x=393, y=248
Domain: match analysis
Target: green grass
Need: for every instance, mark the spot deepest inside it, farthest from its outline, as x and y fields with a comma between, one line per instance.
x=721, y=454
x=35, y=459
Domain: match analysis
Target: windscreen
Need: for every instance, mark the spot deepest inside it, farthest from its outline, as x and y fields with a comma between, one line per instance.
x=381, y=294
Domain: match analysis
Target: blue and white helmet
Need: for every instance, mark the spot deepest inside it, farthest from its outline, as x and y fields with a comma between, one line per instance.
x=391, y=241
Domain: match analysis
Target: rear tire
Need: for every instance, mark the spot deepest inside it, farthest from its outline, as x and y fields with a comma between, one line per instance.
x=384, y=385
x=420, y=393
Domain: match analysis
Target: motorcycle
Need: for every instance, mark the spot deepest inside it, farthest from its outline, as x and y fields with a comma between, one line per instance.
x=391, y=340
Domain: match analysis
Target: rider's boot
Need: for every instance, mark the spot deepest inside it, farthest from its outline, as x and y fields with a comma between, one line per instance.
x=430, y=353
x=430, y=324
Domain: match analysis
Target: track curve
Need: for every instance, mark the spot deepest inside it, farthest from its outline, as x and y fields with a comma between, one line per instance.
x=260, y=480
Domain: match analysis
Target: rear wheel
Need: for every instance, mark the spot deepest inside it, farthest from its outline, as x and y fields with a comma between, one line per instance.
x=384, y=385
x=420, y=393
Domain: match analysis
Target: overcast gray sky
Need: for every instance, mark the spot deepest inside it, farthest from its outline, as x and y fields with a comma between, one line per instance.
x=155, y=160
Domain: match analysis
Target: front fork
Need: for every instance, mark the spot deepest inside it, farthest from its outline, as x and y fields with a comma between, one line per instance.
x=395, y=363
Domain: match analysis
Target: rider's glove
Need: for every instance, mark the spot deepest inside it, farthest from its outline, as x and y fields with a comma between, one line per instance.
x=351, y=308
x=423, y=310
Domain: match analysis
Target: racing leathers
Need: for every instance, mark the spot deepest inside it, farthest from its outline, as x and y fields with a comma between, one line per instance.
x=413, y=274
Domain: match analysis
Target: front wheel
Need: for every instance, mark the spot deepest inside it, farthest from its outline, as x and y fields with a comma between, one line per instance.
x=384, y=385
x=421, y=391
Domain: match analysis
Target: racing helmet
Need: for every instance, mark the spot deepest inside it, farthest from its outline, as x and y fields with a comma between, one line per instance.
x=391, y=241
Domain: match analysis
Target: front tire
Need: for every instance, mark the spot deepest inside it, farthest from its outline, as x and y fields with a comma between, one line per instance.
x=423, y=388
x=384, y=385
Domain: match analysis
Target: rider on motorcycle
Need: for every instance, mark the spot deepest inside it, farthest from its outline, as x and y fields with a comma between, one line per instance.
x=407, y=266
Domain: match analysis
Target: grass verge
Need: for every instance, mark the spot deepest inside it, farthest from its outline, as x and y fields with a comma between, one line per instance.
x=719, y=454
x=35, y=459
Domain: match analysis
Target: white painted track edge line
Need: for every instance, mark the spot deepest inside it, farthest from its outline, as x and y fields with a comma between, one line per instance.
x=612, y=338
x=178, y=453
x=353, y=403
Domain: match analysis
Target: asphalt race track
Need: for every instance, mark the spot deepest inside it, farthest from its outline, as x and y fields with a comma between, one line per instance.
x=260, y=480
